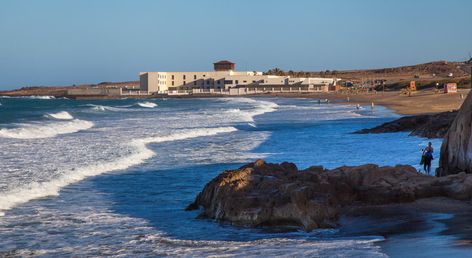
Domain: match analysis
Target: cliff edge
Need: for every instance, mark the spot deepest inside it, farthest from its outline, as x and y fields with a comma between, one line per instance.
x=456, y=149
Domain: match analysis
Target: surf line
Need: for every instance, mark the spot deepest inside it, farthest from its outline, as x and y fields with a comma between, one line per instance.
x=139, y=153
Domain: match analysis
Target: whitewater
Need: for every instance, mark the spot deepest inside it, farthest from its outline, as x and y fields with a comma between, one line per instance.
x=46, y=130
x=113, y=177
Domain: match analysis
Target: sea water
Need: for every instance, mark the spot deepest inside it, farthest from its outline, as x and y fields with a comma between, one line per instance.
x=113, y=177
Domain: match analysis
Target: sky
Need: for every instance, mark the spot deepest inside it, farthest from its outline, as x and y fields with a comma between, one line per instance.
x=65, y=42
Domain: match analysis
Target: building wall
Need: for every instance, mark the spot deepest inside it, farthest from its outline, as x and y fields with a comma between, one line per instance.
x=223, y=66
x=170, y=81
x=153, y=82
x=143, y=82
x=188, y=80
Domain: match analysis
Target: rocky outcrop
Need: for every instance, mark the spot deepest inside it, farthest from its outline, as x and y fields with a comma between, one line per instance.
x=261, y=194
x=456, y=149
x=429, y=126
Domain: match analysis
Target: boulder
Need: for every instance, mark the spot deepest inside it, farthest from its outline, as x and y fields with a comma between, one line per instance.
x=429, y=126
x=264, y=194
x=456, y=149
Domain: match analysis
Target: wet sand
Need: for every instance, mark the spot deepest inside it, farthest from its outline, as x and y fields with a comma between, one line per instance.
x=432, y=227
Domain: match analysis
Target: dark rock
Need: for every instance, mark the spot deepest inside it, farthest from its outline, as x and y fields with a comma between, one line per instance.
x=456, y=149
x=261, y=194
x=429, y=126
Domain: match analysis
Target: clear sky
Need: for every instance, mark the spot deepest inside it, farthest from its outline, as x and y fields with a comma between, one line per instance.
x=67, y=42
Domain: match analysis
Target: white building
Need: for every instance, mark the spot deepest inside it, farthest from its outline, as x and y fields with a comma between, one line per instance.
x=224, y=78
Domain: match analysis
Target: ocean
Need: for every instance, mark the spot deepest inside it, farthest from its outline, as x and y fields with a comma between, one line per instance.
x=113, y=177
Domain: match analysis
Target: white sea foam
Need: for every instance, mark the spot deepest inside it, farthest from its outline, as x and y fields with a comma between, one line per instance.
x=38, y=97
x=63, y=115
x=259, y=107
x=138, y=154
x=271, y=247
x=105, y=108
x=28, y=97
x=45, y=130
x=147, y=104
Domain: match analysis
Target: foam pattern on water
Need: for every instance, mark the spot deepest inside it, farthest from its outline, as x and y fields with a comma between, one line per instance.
x=54, y=202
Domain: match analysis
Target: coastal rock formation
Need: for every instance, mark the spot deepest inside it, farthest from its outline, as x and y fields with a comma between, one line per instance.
x=262, y=194
x=429, y=126
x=456, y=149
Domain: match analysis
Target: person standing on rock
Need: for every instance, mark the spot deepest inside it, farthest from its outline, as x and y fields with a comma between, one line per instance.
x=428, y=157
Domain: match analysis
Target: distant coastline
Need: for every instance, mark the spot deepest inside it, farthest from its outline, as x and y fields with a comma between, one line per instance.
x=390, y=93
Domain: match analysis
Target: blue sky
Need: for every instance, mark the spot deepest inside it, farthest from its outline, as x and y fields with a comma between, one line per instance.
x=67, y=42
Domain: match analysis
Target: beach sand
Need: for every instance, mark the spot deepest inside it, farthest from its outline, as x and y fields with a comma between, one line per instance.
x=420, y=102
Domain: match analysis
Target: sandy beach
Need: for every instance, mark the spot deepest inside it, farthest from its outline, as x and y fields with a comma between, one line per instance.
x=420, y=102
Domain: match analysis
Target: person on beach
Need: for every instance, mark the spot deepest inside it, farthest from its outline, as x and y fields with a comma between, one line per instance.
x=428, y=157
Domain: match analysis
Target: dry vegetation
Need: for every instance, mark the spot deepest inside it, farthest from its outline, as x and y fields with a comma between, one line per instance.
x=426, y=75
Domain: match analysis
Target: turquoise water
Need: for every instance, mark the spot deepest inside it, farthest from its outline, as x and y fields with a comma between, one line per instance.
x=113, y=177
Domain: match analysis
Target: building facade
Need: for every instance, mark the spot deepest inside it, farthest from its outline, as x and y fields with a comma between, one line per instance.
x=224, y=78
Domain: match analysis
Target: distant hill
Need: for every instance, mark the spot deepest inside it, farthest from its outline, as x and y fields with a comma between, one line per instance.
x=60, y=91
x=396, y=78
x=426, y=74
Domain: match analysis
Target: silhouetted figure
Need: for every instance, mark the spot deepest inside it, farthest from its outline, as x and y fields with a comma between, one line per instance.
x=428, y=157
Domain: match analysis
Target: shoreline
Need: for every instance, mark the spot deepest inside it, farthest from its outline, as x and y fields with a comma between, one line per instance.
x=419, y=103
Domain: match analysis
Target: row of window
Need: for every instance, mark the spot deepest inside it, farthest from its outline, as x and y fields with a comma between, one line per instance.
x=185, y=77
x=218, y=82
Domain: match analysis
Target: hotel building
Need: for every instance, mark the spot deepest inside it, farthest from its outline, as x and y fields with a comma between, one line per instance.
x=224, y=78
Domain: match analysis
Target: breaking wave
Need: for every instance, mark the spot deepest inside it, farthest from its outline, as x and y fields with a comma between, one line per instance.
x=138, y=154
x=147, y=104
x=28, y=97
x=104, y=108
x=63, y=115
x=37, y=97
x=45, y=130
x=258, y=107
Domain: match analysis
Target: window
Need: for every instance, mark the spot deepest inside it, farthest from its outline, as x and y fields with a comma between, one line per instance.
x=185, y=83
x=194, y=82
x=253, y=81
x=194, y=76
x=237, y=82
x=208, y=82
x=228, y=82
x=184, y=78
x=218, y=82
x=172, y=77
x=204, y=75
x=244, y=81
x=172, y=83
